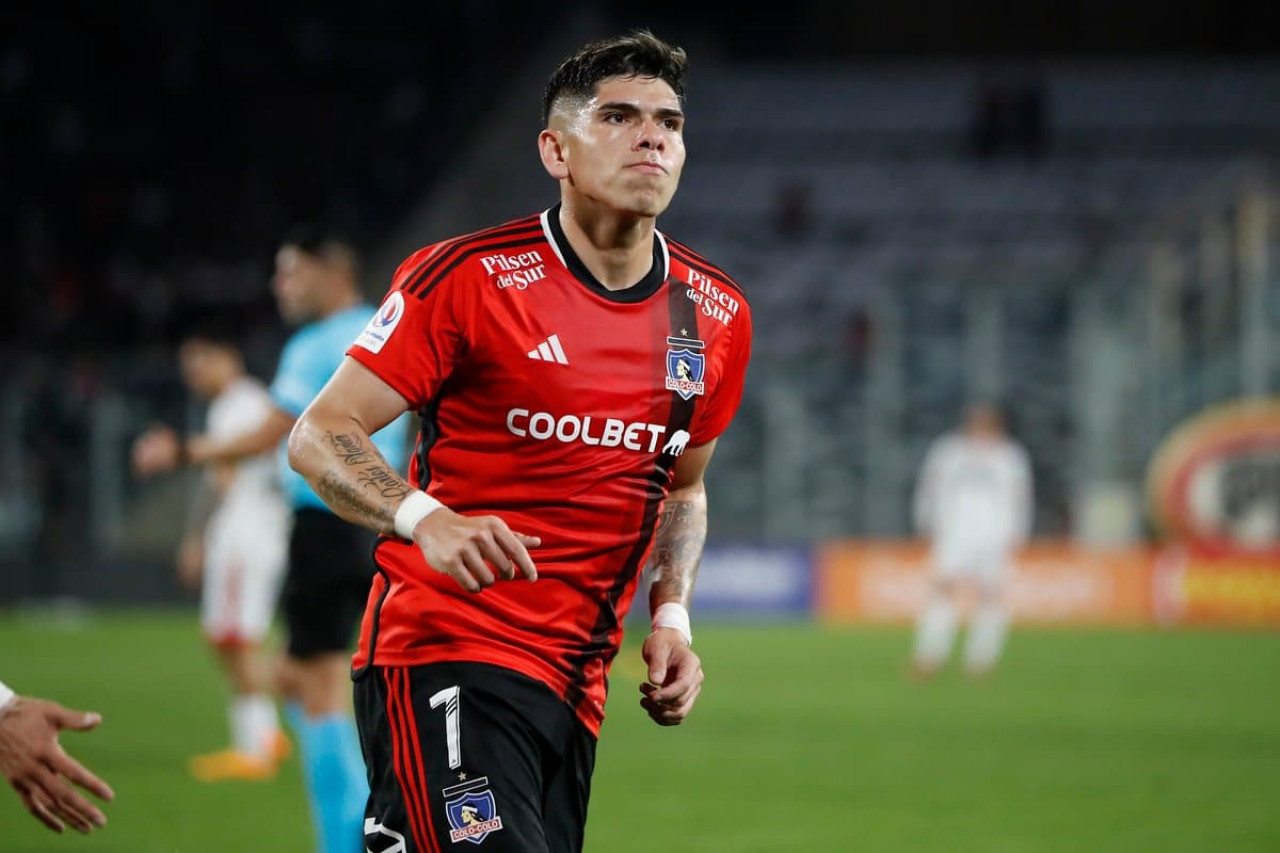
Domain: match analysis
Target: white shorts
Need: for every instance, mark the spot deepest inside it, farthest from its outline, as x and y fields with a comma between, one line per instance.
x=244, y=567
x=971, y=560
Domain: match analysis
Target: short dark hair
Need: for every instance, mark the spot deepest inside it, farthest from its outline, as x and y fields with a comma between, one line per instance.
x=223, y=327
x=323, y=244
x=639, y=53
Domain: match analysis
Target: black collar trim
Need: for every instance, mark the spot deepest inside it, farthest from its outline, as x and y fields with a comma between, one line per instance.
x=638, y=292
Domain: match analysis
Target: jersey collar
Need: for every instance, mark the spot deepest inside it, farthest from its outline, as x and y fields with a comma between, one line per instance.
x=638, y=292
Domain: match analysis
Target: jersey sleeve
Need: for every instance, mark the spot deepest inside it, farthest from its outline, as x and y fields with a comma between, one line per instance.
x=416, y=338
x=719, y=410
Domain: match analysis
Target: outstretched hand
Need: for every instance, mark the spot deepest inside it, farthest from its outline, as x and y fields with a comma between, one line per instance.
x=156, y=451
x=469, y=548
x=41, y=772
x=675, y=677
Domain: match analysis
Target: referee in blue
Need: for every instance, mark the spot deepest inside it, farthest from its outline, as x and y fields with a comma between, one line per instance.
x=316, y=285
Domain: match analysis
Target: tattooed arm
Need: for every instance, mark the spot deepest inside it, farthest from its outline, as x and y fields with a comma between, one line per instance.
x=330, y=446
x=682, y=531
x=675, y=671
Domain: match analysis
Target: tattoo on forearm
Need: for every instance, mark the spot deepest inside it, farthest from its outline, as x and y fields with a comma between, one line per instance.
x=350, y=495
x=383, y=481
x=347, y=500
x=350, y=449
x=677, y=549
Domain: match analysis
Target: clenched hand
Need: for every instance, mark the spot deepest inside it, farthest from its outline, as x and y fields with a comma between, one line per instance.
x=675, y=677
x=470, y=548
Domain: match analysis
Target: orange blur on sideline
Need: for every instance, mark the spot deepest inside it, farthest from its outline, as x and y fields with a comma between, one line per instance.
x=1056, y=582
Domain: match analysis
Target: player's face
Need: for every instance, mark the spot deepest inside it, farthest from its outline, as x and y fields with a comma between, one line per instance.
x=204, y=367
x=983, y=423
x=624, y=148
x=297, y=280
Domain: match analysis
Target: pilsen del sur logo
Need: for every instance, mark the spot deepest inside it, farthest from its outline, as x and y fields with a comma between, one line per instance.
x=1214, y=484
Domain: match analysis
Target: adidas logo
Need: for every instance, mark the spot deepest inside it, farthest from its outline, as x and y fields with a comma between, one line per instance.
x=549, y=350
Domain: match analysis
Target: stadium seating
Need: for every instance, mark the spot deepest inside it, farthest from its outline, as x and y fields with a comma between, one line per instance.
x=908, y=233
x=864, y=195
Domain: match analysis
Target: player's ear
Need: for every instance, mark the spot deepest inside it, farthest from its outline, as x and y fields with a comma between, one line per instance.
x=553, y=155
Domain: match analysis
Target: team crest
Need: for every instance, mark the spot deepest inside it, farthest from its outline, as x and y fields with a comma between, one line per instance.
x=472, y=814
x=684, y=372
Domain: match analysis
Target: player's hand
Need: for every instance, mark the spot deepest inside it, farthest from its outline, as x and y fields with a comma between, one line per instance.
x=470, y=548
x=156, y=451
x=675, y=677
x=190, y=561
x=41, y=772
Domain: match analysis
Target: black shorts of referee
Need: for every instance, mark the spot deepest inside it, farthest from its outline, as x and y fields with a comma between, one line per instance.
x=327, y=584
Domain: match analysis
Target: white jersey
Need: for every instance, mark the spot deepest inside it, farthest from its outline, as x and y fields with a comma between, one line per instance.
x=974, y=496
x=241, y=408
x=246, y=542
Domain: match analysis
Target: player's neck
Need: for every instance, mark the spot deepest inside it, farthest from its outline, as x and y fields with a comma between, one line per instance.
x=618, y=250
x=340, y=302
x=226, y=382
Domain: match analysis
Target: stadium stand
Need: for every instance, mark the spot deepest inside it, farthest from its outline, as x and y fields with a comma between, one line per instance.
x=968, y=261
x=911, y=233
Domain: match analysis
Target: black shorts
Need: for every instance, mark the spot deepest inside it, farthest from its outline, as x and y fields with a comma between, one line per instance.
x=471, y=752
x=330, y=569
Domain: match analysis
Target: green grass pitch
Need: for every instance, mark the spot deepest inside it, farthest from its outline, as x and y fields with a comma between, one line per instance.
x=805, y=739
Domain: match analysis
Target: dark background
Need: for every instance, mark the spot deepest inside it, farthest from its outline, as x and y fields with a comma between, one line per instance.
x=153, y=153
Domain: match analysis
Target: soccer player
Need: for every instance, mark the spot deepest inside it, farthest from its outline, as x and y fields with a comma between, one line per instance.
x=236, y=538
x=39, y=769
x=329, y=566
x=973, y=501
x=574, y=369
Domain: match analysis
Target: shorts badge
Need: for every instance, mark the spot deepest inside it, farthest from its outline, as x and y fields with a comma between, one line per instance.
x=471, y=811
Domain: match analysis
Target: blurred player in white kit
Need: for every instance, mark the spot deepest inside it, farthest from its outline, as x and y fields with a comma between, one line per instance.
x=973, y=502
x=237, y=539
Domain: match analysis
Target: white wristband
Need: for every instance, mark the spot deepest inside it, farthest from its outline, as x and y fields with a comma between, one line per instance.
x=672, y=614
x=417, y=506
x=6, y=696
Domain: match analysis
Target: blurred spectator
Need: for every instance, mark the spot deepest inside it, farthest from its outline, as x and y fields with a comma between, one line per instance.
x=858, y=338
x=1010, y=120
x=793, y=211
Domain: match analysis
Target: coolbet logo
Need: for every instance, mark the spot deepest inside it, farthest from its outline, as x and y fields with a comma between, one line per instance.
x=606, y=432
x=715, y=302
x=518, y=271
x=677, y=444
x=471, y=811
x=383, y=323
x=1215, y=483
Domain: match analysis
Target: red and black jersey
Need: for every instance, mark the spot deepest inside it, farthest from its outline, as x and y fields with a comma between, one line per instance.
x=559, y=406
